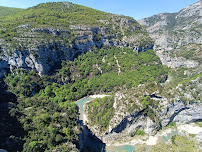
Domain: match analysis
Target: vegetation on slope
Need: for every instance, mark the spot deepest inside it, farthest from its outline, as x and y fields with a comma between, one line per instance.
x=24, y=83
x=62, y=13
x=49, y=125
x=179, y=143
x=44, y=124
x=100, y=111
x=190, y=52
x=5, y=11
x=11, y=132
x=67, y=24
x=95, y=72
x=135, y=69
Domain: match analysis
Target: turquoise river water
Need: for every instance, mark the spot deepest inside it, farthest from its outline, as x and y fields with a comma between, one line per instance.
x=127, y=148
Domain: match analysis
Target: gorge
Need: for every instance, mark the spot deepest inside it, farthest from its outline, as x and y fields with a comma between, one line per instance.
x=77, y=79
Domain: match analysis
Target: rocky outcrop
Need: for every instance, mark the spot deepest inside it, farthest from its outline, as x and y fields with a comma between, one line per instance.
x=47, y=55
x=3, y=150
x=181, y=113
x=191, y=113
x=176, y=62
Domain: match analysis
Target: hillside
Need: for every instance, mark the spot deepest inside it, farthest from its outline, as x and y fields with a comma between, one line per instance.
x=48, y=101
x=5, y=11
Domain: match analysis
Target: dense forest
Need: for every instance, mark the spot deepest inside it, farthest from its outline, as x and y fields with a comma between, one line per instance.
x=93, y=72
x=101, y=111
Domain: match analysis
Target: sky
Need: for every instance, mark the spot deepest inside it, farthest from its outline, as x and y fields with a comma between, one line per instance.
x=137, y=9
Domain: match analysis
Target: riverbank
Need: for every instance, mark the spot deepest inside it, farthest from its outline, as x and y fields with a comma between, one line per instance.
x=81, y=103
x=85, y=117
x=166, y=133
x=98, y=96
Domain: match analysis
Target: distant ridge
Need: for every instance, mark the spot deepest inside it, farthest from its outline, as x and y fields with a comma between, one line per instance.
x=5, y=11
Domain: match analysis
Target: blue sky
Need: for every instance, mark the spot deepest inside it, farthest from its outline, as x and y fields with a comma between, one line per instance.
x=135, y=8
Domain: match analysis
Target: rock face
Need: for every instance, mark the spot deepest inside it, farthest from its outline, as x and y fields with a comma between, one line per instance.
x=181, y=113
x=42, y=62
x=171, y=31
x=191, y=113
x=178, y=112
x=40, y=47
x=176, y=62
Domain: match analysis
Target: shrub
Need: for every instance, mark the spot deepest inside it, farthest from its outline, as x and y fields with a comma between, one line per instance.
x=138, y=132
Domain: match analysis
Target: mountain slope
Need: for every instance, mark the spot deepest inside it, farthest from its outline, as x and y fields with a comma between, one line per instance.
x=46, y=108
x=179, y=28
x=173, y=32
x=5, y=11
x=34, y=34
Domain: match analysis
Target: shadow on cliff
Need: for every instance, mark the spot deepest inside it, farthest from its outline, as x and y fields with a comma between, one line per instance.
x=11, y=132
x=90, y=143
x=123, y=124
